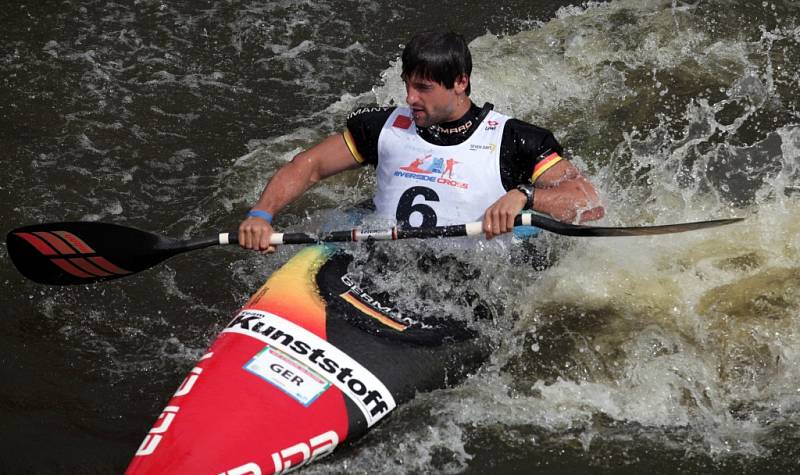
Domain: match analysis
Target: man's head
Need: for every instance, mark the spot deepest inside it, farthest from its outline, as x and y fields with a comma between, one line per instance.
x=438, y=57
x=436, y=70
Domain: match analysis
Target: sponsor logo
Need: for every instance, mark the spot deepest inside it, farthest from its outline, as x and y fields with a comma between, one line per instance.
x=432, y=169
x=452, y=130
x=491, y=125
x=389, y=316
x=355, y=381
x=293, y=457
x=153, y=438
x=287, y=374
x=167, y=416
x=475, y=147
x=366, y=110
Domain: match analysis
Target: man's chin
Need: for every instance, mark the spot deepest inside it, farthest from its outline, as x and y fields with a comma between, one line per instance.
x=422, y=122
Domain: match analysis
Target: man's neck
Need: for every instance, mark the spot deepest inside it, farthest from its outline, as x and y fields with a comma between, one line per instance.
x=463, y=106
x=463, y=121
x=453, y=132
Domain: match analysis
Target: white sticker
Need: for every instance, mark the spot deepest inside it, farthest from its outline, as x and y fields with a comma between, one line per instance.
x=356, y=382
x=289, y=375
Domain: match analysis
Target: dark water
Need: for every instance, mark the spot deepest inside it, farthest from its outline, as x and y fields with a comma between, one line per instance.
x=660, y=355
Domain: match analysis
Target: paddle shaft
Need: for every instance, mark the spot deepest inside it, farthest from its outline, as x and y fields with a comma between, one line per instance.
x=471, y=229
x=356, y=235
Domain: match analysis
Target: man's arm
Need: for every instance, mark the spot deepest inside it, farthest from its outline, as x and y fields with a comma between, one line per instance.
x=566, y=195
x=561, y=192
x=325, y=159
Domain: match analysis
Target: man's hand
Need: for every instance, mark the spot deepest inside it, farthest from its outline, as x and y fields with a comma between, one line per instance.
x=499, y=217
x=254, y=233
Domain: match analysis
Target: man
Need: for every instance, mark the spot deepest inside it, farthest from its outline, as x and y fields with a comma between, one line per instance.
x=503, y=165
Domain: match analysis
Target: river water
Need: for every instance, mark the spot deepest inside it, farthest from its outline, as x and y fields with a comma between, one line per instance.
x=669, y=354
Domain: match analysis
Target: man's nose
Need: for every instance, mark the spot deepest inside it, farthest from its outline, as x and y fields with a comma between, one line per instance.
x=411, y=95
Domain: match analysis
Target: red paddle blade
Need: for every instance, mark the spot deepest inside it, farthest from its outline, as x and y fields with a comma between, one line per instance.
x=84, y=252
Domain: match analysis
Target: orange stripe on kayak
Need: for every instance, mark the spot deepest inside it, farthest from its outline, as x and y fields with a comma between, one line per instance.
x=367, y=310
x=545, y=164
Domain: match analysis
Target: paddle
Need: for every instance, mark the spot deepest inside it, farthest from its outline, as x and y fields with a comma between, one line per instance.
x=86, y=252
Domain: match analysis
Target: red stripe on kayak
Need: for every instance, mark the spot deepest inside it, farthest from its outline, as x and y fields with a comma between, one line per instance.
x=89, y=267
x=56, y=242
x=76, y=242
x=71, y=269
x=104, y=264
x=40, y=245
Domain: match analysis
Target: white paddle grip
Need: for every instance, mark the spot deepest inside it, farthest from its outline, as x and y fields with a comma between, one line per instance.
x=474, y=229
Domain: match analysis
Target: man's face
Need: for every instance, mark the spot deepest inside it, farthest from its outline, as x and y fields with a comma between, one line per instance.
x=431, y=103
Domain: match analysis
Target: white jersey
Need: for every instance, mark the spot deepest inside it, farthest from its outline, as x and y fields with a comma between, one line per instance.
x=421, y=184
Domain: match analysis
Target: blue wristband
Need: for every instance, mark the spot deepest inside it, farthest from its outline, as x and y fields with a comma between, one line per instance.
x=257, y=213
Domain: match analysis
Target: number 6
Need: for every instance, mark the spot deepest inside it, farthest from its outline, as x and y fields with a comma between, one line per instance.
x=406, y=207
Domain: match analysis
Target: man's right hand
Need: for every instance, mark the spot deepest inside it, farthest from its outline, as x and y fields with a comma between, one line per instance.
x=254, y=233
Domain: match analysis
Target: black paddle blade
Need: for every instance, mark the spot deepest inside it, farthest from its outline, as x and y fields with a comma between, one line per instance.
x=579, y=230
x=84, y=252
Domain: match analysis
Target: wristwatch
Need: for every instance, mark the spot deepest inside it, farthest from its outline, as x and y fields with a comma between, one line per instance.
x=527, y=190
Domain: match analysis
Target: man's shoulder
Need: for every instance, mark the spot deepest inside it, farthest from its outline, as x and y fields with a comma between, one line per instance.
x=521, y=128
x=526, y=138
x=364, y=127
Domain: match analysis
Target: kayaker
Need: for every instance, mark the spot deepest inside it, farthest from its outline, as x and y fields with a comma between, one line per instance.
x=503, y=165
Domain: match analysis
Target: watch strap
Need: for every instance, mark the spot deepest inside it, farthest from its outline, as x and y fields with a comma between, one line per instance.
x=528, y=191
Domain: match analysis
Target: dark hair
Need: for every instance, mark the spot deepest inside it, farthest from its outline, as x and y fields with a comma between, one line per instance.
x=439, y=57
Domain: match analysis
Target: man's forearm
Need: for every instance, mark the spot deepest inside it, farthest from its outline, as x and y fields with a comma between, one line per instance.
x=325, y=159
x=572, y=200
x=288, y=184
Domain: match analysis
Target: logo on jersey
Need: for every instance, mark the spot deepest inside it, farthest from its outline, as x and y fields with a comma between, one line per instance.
x=476, y=147
x=432, y=169
x=366, y=110
x=452, y=130
x=491, y=125
x=402, y=122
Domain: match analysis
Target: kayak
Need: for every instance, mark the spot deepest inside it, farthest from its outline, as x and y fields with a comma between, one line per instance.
x=313, y=360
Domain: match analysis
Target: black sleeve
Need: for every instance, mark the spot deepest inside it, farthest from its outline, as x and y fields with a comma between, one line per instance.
x=364, y=127
x=522, y=147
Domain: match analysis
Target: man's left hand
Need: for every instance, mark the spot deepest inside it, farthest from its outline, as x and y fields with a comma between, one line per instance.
x=499, y=217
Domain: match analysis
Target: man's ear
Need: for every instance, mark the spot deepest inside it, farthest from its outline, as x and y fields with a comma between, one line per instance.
x=461, y=83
